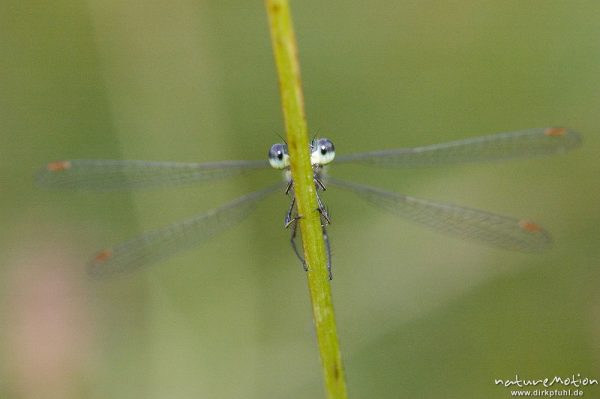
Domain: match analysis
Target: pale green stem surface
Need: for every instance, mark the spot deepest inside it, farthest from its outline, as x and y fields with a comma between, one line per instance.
x=288, y=68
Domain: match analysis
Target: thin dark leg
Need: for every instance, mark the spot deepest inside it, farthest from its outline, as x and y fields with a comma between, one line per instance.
x=294, y=228
x=323, y=211
x=320, y=184
x=291, y=222
x=289, y=187
x=289, y=219
x=325, y=220
x=328, y=249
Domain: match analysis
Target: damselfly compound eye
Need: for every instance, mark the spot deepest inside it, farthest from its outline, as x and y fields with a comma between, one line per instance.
x=322, y=151
x=278, y=156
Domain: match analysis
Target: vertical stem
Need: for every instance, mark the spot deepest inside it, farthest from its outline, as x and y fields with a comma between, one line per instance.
x=286, y=59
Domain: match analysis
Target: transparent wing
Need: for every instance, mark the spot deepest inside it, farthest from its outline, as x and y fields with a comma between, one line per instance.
x=488, y=228
x=520, y=144
x=164, y=242
x=106, y=175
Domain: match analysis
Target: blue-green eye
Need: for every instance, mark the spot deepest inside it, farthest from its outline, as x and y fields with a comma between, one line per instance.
x=278, y=156
x=322, y=151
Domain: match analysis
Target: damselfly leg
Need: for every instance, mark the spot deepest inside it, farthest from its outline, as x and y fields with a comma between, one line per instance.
x=292, y=218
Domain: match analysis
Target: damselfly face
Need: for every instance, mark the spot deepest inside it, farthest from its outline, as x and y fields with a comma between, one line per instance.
x=322, y=152
x=488, y=228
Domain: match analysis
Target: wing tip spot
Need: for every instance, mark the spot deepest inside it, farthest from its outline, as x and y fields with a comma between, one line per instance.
x=58, y=166
x=103, y=256
x=529, y=226
x=555, y=131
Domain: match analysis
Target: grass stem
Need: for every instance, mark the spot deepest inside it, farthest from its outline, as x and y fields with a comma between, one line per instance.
x=288, y=69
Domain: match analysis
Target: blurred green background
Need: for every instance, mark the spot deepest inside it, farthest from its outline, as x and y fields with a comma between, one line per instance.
x=420, y=314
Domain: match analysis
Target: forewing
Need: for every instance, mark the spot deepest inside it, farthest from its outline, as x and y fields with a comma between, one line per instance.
x=519, y=144
x=107, y=175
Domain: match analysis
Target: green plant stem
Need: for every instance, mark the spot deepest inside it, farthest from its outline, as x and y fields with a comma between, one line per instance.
x=288, y=68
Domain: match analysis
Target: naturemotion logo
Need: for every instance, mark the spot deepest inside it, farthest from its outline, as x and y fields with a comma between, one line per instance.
x=575, y=381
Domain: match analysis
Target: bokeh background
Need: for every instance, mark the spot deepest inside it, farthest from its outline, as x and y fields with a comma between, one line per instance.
x=420, y=314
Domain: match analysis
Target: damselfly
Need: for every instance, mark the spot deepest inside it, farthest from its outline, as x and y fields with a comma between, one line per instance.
x=488, y=228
